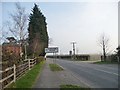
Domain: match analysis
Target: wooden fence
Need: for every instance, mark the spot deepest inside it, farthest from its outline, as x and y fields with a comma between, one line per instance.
x=11, y=74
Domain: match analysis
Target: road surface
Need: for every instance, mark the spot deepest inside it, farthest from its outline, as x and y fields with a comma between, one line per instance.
x=93, y=75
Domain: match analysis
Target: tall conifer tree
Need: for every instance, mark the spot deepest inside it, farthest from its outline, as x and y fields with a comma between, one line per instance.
x=38, y=36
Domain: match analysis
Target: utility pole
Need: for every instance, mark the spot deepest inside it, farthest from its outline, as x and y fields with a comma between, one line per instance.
x=73, y=43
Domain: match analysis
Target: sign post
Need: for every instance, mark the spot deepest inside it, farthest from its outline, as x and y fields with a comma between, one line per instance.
x=53, y=50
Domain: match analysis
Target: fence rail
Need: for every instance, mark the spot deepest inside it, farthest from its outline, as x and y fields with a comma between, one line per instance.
x=15, y=72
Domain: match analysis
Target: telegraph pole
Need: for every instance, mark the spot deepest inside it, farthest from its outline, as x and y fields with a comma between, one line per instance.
x=73, y=43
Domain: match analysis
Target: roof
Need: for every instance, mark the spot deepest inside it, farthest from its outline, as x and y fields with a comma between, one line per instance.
x=118, y=48
x=10, y=44
x=11, y=38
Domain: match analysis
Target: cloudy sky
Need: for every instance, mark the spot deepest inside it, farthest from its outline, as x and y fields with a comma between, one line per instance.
x=82, y=22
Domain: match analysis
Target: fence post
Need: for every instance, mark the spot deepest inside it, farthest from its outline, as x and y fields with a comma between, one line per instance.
x=29, y=63
x=14, y=72
x=35, y=61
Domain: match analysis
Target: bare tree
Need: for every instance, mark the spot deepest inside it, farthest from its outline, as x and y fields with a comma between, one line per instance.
x=104, y=44
x=118, y=53
x=50, y=41
x=18, y=27
x=3, y=35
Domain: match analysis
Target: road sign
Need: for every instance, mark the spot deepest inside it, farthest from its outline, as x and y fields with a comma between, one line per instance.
x=51, y=50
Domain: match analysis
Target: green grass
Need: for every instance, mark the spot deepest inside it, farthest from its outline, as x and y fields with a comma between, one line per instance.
x=55, y=67
x=72, y=87
x=105, y=62
x=69, y=86
x=28, y=80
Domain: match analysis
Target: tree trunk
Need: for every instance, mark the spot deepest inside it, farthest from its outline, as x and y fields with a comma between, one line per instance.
x=104, y=53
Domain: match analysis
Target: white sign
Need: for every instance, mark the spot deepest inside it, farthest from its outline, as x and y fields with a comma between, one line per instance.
x=51, y=50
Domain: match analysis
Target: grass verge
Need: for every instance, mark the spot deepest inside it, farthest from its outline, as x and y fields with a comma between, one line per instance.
x=55, y=67
x=72, y=87
x=105, y=62
x=28, y=80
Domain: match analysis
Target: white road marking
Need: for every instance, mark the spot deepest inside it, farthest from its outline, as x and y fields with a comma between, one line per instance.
x=107, y=72
x=74, y=75
x=81, y=80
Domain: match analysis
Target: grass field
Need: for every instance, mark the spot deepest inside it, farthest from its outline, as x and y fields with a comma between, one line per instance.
x=55, y=67
x=28, y=80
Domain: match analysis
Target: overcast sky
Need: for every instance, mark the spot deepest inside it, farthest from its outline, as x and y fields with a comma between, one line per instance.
x=82, y=22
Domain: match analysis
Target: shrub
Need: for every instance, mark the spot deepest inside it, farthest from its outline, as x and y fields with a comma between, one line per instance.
x=39, y=59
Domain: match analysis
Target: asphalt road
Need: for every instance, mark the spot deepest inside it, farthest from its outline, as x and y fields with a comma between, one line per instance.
x=93, y=75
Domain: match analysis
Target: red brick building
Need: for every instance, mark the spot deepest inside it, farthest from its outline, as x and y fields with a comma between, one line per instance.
x=12, y=48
